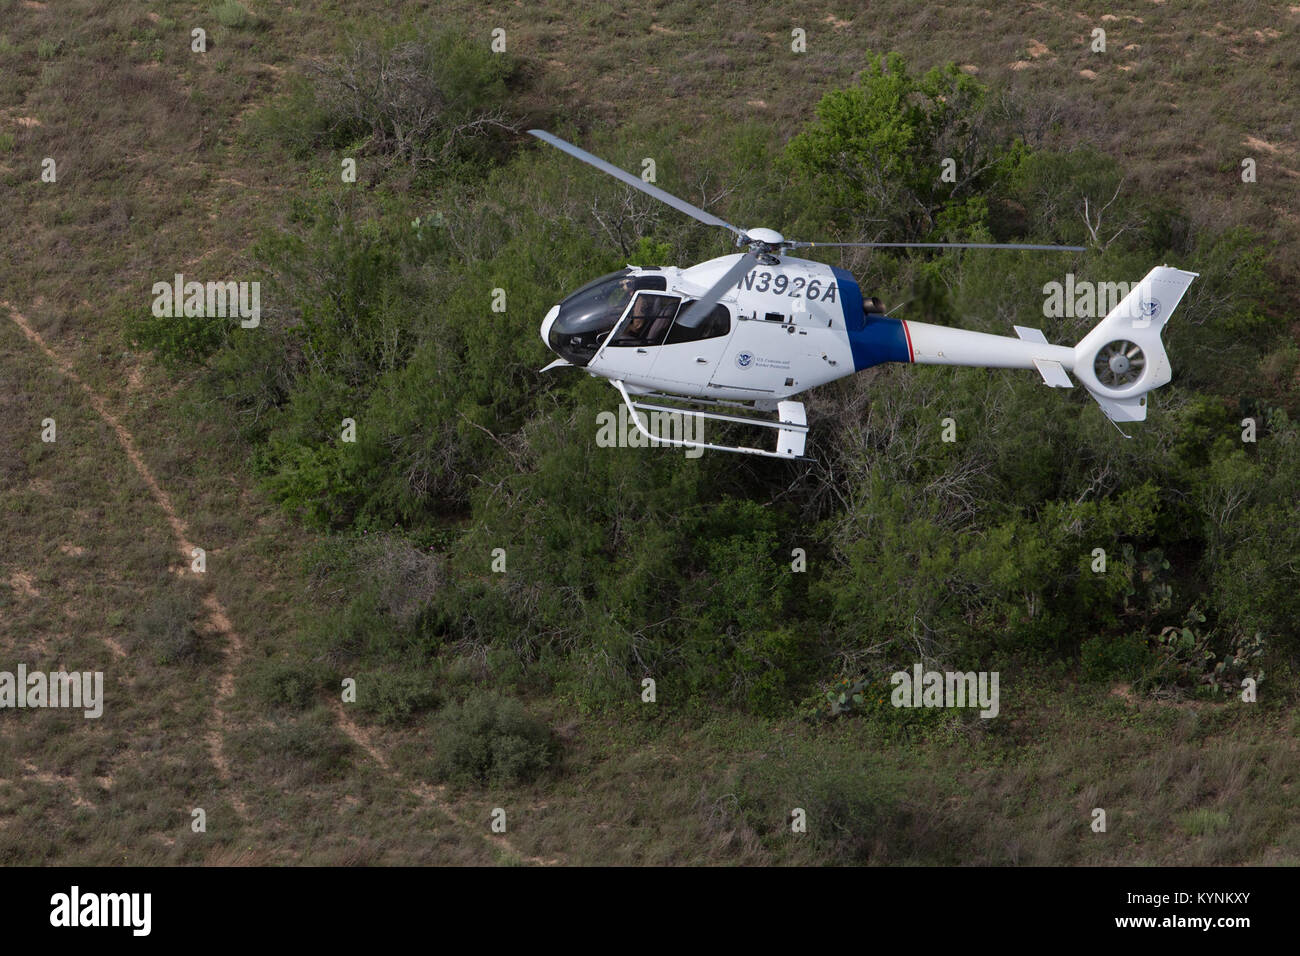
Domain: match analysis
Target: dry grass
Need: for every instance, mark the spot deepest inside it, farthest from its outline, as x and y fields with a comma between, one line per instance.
x=153, y=180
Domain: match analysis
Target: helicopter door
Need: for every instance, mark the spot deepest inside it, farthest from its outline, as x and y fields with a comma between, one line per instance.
x=690, y=353
x=633, y=345
x=758, y=358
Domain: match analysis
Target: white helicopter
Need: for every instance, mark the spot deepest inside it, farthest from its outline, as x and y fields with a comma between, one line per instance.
x=751, y=330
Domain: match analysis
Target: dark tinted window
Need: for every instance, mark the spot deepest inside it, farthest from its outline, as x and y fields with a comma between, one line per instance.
x=712, y=324
x=595, y=307
x=598, y=282
x=647, y=322
x=598, y=304
x=587, y=315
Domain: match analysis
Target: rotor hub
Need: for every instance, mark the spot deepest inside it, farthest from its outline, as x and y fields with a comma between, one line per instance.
x=769, y=238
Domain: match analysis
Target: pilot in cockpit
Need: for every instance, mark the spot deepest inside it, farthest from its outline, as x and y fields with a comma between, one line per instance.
x=638, y=322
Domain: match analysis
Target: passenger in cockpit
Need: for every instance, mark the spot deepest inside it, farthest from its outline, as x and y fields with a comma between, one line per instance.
x=643, y=311
x=635, y=330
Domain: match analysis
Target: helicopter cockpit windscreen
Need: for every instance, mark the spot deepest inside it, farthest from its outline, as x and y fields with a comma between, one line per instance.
x=587, y=316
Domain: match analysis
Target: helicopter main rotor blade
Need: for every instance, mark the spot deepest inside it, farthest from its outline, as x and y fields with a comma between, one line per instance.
x=681, y=205
x=704, y=305
x=934, y=245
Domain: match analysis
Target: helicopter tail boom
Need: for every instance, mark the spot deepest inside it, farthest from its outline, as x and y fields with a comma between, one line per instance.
x=1118, y=362
x=941, y=345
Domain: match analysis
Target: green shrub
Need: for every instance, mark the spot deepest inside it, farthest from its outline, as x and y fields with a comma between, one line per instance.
x=876, y=150
x=283, y=684
x=1107, y=657
x=393, y=698
x=490, y=739
x=178, y=340
x=296, y=122
x=858, y=812
x=363, y=631
x=234, y=15
x=429, y=99
x=421, y=98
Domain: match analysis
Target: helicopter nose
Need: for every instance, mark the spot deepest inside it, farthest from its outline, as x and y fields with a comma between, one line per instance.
x=547, y=323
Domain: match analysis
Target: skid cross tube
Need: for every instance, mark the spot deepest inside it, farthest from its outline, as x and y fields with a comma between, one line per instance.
x=634, y=409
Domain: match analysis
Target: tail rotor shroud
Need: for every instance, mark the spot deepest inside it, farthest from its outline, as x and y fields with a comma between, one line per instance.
x=1119, y=364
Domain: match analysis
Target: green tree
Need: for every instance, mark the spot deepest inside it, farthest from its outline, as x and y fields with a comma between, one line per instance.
x=904, y=157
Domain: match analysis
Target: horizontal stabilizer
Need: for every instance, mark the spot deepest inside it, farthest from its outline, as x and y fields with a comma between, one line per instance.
x=1030, y=335
x=1053, y=373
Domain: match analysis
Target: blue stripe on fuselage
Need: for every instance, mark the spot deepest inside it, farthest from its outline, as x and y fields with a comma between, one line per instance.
x=873, y=339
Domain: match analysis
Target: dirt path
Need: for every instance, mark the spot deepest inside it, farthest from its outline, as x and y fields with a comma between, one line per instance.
x=218, y=622
x=233, y=651
x=431, y=795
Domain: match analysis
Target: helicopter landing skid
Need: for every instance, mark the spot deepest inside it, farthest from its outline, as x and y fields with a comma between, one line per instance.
x=792, y=427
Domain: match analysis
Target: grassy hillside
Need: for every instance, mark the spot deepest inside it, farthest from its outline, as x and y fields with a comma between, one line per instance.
x=522, y=691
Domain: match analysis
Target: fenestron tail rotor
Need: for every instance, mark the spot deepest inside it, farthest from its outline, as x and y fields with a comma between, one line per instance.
x=1119, y=364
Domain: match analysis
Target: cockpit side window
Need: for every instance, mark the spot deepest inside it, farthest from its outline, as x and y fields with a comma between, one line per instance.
x=587, y=316
x=647, y=321
x=715, y=323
